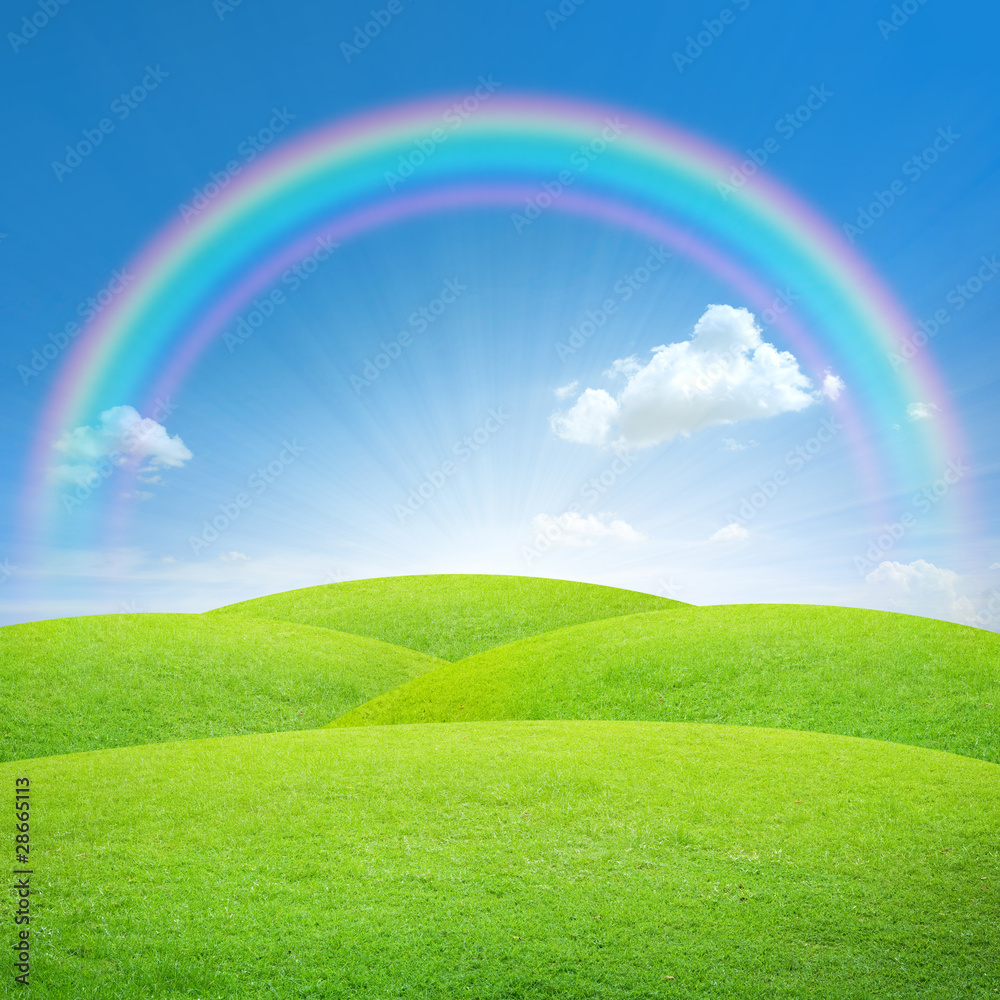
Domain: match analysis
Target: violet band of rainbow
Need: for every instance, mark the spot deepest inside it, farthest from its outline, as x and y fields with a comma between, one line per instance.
x=188, y=275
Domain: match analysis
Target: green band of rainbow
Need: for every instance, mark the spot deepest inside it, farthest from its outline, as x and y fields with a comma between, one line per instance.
x=643, y=167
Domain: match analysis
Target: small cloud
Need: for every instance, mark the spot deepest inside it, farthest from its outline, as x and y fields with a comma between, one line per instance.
x=921, y=411
x=730, y=533
x=139, y=495
x=234, y=557
x=995, y=566
x=833, y=386
x=724, y=374
x=731, y=444
x=624, y=366
x=574, y=530
x=921, y=588
x=121, y=437
x=169, y=559
x=566, y=390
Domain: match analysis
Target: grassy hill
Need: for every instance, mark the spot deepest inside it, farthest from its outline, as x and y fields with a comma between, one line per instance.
x=118, y=680
x=839, y=670
x=450, y=616
x=530, y=860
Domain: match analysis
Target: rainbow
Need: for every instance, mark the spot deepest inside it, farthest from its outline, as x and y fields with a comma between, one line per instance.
x=527, y=155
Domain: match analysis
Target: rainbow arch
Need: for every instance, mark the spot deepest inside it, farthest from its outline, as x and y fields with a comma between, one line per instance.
x=378, y=168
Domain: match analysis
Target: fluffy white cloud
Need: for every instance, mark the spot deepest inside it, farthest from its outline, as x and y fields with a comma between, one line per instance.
x=921, y=411
x=121, y=437
x=833, y=386
x=995, y=566
x=234, y=557
x=730, y=533
x=921, y=588
x=566, y=390
x=723, y=374
x=573, y=529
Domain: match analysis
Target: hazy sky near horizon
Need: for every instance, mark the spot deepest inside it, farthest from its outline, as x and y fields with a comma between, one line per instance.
x=424, y=399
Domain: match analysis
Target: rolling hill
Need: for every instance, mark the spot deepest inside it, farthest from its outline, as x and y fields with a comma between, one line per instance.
x=449, y=616
x=837, y=670
x=117, y=680
x=516, y=859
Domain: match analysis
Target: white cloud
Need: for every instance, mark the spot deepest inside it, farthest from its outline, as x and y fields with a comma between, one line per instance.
x=730, y=533
x=921, y=411
x=921, y=588
x=731, y=444
x=725, y=373
x=624, y=366
x=590, y=420
x=833, y=386
x=995, y=566
x=138, y=495
x=573, y=529
x=121, y=437
x=234, y=557
x=566, y=390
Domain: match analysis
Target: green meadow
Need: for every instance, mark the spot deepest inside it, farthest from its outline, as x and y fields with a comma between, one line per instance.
x=834, y=670
x=450, y=616
x=119, y=680
x=501, y=787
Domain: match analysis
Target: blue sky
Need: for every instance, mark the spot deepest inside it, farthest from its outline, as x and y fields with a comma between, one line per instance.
x=448, y=461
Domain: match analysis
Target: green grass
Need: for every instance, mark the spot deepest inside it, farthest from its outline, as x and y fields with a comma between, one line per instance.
x=118, y=680
x=838, y=670
x=515, y=860
x=450, y=616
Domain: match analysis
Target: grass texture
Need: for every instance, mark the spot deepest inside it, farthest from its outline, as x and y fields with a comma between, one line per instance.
x=515, y=860
x=450, y=616
x=119, y=680
x=837, y=670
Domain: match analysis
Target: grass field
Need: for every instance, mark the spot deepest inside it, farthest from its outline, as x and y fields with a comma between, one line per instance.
x=837, y=670
x=581, y=827
x=119, y=680
x=450, y=616
x=501, y=860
